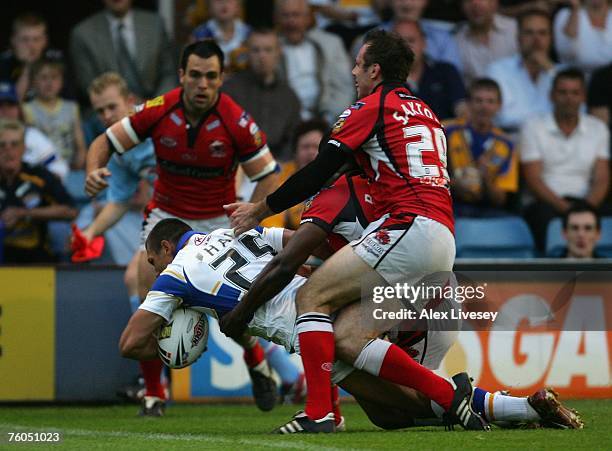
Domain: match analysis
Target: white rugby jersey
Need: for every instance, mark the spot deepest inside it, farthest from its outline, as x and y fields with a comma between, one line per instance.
x=213, y=271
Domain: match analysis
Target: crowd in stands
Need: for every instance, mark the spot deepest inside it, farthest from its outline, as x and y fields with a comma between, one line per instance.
x=524, y=89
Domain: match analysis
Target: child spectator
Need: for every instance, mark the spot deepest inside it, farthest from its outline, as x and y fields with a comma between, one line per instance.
x=58, y=118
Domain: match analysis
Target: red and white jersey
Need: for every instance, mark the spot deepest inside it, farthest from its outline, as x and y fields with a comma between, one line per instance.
x=343, y=210
x=400, y=144
x=196, y=165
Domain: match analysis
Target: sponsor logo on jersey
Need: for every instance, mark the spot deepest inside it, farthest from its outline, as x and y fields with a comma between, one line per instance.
x=214, y=124
x=257, y=138
x=176, y=119
x=165, y=331
x=157, y=101
x=357, y=105
x=198, y=331
x=167, y=141
x=217, y=149
x=333, y=142
x=243, y=121
x=405, y=96
x=338, y=125
x=199, y=239
x=253, y=128
x=308, y=203
x=138, y=108
x=346, y=113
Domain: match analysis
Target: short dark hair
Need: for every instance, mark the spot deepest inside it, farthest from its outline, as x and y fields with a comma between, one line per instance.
x=572, y=73
x=581, y=207
x=170, y=229
x=28, y=19
x=47, y=62
x=306, y=127
x=204, y=49
x=532, y=12
x=391, y=52
x=485, y=83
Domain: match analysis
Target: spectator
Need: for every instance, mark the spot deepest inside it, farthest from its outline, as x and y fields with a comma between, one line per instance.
x=599, y=98
x=485, y=37
x=58, y=118
x=583, y=34
x=127, y=40
x=225, y=27
x=32, y=196
x=441, y=45
x=564, y=155
x=436, y=82
x=314, y=62
x=582, y=231
x=39, y=149
x=29, y=43
x=270, y=100
x=481, y=159
x=525, y=78
x=305, y=145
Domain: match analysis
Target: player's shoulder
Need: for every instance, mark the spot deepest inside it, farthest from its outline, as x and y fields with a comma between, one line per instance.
x=161, y=103
x=454, y=125
x=226, y=105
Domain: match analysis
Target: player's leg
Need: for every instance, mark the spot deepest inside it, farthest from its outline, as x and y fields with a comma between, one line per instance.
x=155, y=393
x=265, y=391
x=293, y=386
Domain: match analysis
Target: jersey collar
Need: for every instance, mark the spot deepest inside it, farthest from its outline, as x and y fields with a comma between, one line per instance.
x=183, y=240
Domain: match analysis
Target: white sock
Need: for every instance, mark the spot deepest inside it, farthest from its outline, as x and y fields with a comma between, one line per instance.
x=371, y=357
x=508, y=408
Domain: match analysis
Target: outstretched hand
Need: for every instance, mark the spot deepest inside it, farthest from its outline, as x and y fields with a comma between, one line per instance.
x=232, y=324
x=96, y=181
x=245, y=215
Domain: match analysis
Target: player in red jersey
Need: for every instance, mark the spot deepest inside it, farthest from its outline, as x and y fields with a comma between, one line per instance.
x=400, y=144
x=199, y=135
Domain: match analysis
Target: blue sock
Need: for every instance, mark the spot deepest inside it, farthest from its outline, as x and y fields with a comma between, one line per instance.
x=478, y=401
x=134, y=302
x=280, y=362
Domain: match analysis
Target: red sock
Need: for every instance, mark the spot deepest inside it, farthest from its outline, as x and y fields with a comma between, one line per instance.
x=316, y=337
x=399, y=368
x=151, y=373
x=336, y=404
x=254, y=355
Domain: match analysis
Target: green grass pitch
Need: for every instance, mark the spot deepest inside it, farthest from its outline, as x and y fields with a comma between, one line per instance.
x=243, y=427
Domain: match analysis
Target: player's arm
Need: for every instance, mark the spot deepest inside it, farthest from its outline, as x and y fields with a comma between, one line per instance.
x=108, y=217
x=274, y=277
x=119, y=137
x=299, y=187
x=138, y=340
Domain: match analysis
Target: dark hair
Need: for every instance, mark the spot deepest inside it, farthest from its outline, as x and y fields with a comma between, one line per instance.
x=170, y=229
x=573, y=73
x=28, y=19
x=306, y=127
x=533, y=12
x=391, y=52
x=204, y=49
x=47, y=62
x=581, y=207
x=485, y=83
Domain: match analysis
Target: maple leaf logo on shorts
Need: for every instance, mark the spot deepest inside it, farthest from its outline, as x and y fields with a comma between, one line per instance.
x=382, y=236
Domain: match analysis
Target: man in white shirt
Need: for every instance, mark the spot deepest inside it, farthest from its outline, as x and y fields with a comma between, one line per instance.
x=484, y=38
x=564, y=155
x=526, y=77
x=315, y=64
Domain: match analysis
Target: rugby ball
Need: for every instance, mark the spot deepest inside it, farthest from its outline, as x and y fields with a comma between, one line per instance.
x=182, y=340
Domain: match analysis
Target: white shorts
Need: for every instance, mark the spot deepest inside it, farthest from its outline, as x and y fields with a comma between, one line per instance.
x=200, y=225
x=275, y=320
x=422, y=247
x=429, y=352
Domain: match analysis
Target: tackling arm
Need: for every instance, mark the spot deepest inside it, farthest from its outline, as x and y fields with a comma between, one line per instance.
x=274, y=277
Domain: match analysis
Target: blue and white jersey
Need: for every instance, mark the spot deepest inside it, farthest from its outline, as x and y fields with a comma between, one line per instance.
x=213, y=271
x=128, y=169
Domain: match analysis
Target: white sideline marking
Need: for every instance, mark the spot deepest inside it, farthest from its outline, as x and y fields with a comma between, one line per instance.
x=294, y=444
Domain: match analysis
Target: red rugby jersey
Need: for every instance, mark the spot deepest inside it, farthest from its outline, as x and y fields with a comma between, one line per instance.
x=196, y=165
x=343, y=210
x=400, y=144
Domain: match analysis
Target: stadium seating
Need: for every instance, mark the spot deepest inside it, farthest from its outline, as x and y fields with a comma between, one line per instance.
x=604, y=247
x=555, y=243
x=507, y=237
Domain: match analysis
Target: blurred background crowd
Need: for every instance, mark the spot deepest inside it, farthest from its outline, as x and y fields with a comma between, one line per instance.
x=524, y=89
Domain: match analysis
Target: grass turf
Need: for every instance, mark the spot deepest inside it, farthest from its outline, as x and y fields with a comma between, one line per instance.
x=234, y=427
